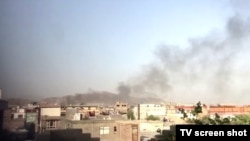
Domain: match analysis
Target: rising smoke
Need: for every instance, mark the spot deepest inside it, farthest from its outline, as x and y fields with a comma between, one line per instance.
x=212, y=69
x=124, y=91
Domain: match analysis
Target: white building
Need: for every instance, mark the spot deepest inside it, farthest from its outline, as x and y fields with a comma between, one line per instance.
x=50, y=118
x=142, y=111
x=51, y=111
x=73, y=114
x=19, y=113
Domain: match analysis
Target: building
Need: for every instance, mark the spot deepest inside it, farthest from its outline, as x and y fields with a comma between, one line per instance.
x=106, y=130
x=11, y=123
x=151, y=129
x=108, y=110
x=170, y=109
x=3, y=107
x=73, y=114
x=65, y=135
x=121, y=107
x=49, y=118
x=85, y=110
x=32, y=118
x=18, y=113
x=188, y=109
x=228, y=110
x=142, y=111
x=51, y=111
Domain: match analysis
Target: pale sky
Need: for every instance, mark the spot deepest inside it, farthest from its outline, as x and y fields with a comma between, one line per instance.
x=60, y=47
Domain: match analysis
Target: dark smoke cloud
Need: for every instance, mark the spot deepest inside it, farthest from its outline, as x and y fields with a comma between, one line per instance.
x=153, y=79
x=210, y=69
x=124, y=91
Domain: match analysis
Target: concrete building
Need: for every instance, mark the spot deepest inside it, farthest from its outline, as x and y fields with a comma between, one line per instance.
x=49, y=118
x=106, y=130
x=170, y=109
x=3, y=107
x=10, y=123
x=18, y=113
x=228, y=110
x=50, y=111
x=142, y=111
x=108, y=110
x=73, y=114
x=121, y=107
x=151, y=129
x=88, y=111
x=32, y=118
x=65, y=135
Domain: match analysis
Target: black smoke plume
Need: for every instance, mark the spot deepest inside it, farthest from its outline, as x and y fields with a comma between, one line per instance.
x=124, y=91
x=212, y=69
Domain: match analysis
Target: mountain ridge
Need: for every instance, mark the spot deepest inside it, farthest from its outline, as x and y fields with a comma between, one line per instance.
x=90, y=98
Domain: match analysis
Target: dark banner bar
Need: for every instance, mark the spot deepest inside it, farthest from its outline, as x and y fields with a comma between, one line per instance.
x=200, y=132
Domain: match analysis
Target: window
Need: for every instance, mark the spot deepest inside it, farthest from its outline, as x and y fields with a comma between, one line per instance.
x=115, y=129
x=12, y=116
x=51, y=124
x=20, y=116
x=104, y=130
x=69, y=125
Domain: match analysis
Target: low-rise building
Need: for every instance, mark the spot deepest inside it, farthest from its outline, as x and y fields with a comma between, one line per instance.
x=142, y=111
x=49, y=118
x=3, y=107
x=19, y=113
x=73, y=114
x=65, y=135
x=121, y=107
x=106, y=129
x=85, y=110
x=32, y=118
x=228, y=110
x=108, y=110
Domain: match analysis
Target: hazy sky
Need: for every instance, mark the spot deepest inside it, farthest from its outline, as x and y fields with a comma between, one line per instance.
x=60, y=47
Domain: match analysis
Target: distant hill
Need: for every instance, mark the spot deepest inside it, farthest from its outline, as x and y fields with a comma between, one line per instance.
x=93, y=98
x=18, y=101
x=100, y=98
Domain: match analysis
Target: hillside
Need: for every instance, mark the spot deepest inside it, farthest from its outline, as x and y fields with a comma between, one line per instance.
x=93, y=98
x=18, y=101
x=102, y=98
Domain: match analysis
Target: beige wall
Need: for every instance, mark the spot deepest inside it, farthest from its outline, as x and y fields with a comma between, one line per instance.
x=9, y=123
x=51, y=111
x=123, y=130
x=150, y=126
x=143, y=110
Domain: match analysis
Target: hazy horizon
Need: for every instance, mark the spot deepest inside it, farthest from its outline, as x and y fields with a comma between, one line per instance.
x=184, y=51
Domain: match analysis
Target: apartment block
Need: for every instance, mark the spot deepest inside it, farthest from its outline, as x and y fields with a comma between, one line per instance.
x=142, y=111
x=49, y=118
x=106, y=130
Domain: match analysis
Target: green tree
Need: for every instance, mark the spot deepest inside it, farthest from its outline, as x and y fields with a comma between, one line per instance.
x=169, y=136
x=241, y=119
x=130, y=115
x=217, y=120
x=197, y=109
x=205, y=120
x=152, y=117
x=184, y=114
